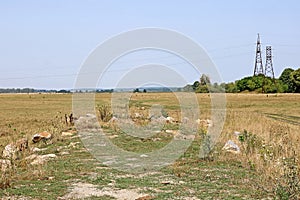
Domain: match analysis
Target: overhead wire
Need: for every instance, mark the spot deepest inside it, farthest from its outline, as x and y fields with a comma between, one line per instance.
x=145, y=59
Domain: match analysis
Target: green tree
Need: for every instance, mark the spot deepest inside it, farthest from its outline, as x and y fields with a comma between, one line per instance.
x=295, y=78
x=196, y=85
x=286, y=82
x=188, y=88
x=136, y=90
x=250, y=83
x=231, y=88
x=204, y=79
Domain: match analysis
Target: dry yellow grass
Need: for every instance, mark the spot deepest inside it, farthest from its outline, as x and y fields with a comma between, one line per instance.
x=273, y=118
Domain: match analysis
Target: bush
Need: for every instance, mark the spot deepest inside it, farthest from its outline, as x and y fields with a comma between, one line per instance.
x=104, y=112
x=288, y=186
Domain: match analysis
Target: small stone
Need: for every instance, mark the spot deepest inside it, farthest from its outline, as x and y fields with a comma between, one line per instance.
x=64, y=153
x=35, y=149
x=170, y=131
x=66, y=134
x=31, y=157
x=147, y=197
x=73, y=144
x=167, y=182
x=230, y=146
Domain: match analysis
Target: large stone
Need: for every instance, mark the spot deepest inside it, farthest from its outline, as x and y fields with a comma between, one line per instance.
x=11, y=150
x=43, y=136
x=5, y=165
x=41, y=159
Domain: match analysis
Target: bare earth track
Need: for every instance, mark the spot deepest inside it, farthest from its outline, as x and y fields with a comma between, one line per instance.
x=75, y=174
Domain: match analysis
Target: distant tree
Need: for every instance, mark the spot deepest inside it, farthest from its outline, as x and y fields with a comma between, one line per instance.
x=136, y=90
x=231, y=88
x=295, y=78
x=216, y=88
x=63, y=91
x=250, y=83
x=204, y=79
x=195, y=85
x=289, y=81
x=202, y=89
x=286, y=82
x=144, y=90
x=188, y=88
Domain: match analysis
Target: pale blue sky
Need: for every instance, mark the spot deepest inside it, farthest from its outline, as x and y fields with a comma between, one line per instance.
x=43, y=43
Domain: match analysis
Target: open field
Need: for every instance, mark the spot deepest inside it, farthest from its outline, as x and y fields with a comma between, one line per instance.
x=267, y=167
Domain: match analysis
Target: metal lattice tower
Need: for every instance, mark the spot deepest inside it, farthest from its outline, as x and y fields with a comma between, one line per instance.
x=258, y=66
x=269, y=71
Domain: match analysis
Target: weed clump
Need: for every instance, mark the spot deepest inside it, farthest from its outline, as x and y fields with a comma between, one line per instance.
x=104, y=112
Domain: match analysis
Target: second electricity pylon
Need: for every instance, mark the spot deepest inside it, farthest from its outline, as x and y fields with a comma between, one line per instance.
x=258, y=66
x=269, y=71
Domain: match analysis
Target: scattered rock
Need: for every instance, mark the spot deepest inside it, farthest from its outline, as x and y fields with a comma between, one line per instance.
x=170, y=120
x=5, y=165
x=44, y=136
x=160, y=119
x=113, y=136
x=22, y=144
x=138, y=115
x=185, y=120
x=40, y=159
x=171, y=131
x=85, y=190
x=237, y=134
x=156, y=139
x=180, y=136
x=230, y=146
x=35, y=149
x=64, y=153
x=91, y=115
x=16, y=198
x=204, y=122
x=147, y=197
x=66, y=134
x=11, y=150
x=31, y=157
x=113, y=120
x=167, y=182
x=88, y=122
x=73, y=145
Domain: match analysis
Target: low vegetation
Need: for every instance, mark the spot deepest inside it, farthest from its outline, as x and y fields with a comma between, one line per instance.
x=288, y=82
x=265, y=127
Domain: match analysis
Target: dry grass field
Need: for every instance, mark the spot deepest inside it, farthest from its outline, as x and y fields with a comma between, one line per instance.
x=266, y=167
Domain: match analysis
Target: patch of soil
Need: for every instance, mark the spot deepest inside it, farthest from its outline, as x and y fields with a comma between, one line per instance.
x=85, y=190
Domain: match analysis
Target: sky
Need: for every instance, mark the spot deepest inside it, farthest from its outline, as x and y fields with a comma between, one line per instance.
x=44, y=44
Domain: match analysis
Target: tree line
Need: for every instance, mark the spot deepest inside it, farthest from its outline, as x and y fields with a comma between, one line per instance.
x=288, y=82
x=30, y=90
